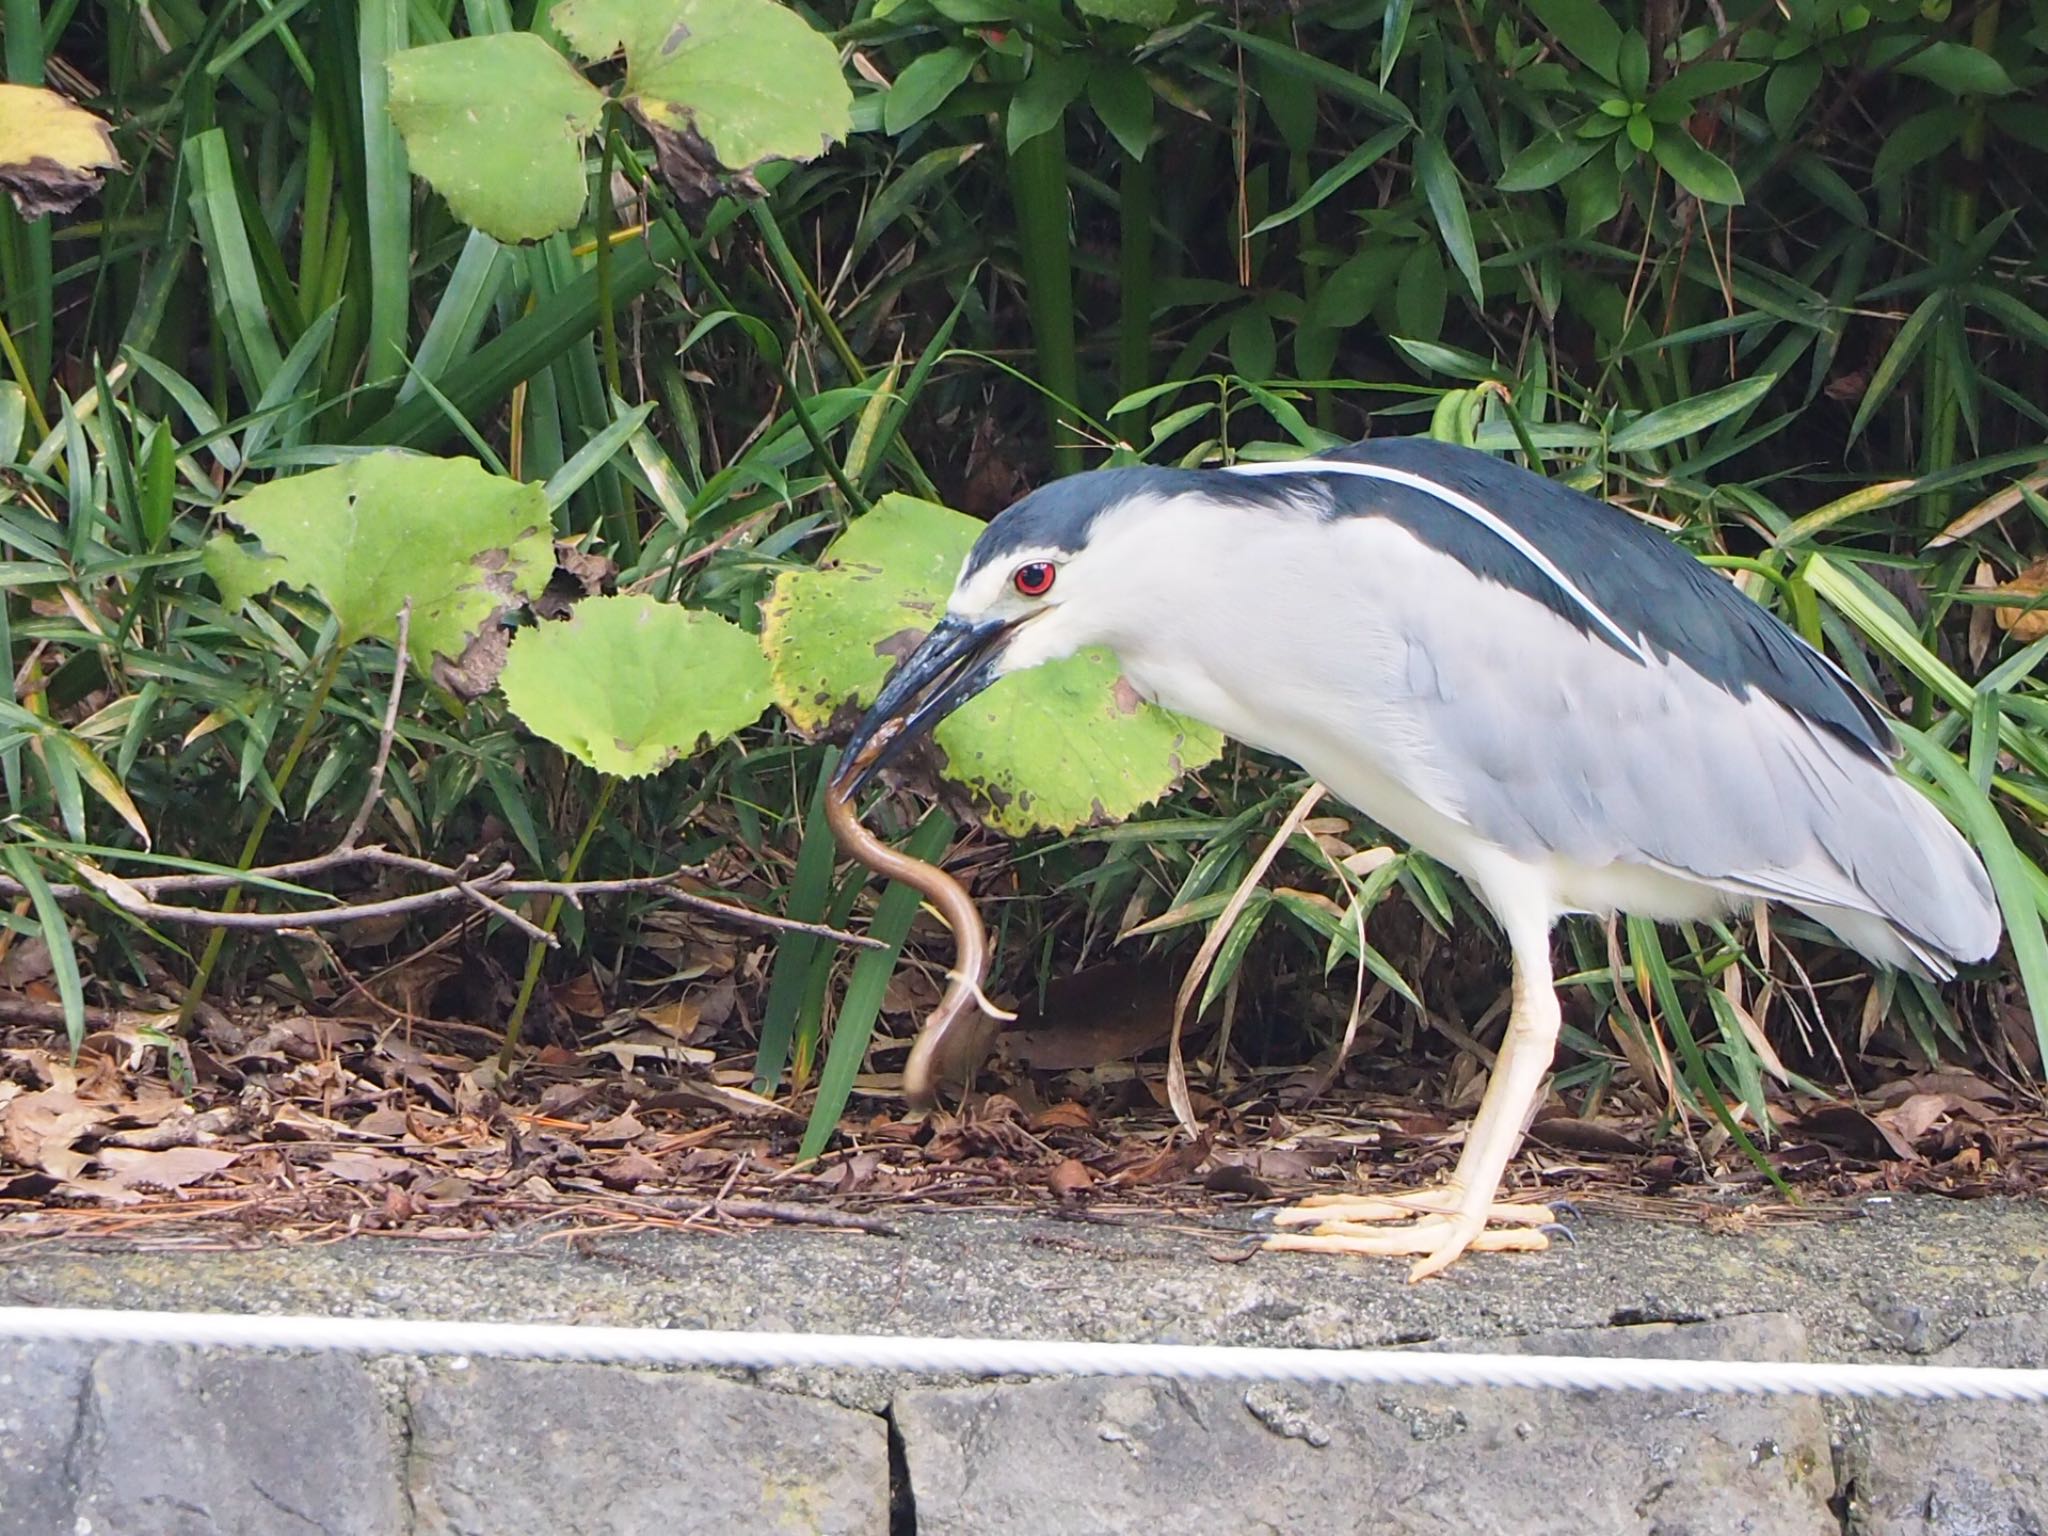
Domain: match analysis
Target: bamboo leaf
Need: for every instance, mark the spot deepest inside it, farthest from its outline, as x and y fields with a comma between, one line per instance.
x=1447, y=202
x=1656, y=428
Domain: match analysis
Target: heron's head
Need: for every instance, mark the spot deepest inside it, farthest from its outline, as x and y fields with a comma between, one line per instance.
x=1048, y=577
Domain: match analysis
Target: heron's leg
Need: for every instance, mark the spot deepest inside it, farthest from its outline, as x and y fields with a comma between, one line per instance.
x=1518, y=1072
x=1462, y=1214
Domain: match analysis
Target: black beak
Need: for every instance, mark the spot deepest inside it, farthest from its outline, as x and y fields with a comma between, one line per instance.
x=956, y=661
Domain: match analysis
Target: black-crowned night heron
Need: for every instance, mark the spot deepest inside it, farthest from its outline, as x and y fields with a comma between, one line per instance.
x=1520, y=680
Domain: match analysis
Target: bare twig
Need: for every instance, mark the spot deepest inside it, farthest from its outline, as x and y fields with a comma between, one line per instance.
x=138, y=897
x=375, y=791
x=22, y=1010
x=525, y=925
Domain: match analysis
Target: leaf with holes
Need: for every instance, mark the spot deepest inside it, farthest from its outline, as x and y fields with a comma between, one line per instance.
x=1058, y=747
x=496, y=125
x=460, y=544
x=628, y=684
x=725, y=84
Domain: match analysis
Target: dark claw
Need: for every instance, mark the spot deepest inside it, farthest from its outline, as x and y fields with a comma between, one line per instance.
x=1566, y=1211
x=1559, y=1229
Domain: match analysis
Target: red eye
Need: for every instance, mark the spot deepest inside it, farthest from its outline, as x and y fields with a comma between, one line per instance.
x=1035, y=579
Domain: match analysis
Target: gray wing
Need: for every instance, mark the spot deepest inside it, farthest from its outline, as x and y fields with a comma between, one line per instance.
x=1553, y=745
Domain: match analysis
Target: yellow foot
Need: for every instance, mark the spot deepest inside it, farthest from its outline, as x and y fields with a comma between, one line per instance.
x=1438, y=1224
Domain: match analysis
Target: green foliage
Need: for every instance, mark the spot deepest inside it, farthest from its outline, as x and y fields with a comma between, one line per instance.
x=1055, y=748
x=749, y=77
x=388, y=533
x=1769, y=275
x=497, y=126
x=497, y=123
x=626, y=685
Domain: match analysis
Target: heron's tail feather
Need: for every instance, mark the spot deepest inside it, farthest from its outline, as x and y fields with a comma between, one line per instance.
x=1906, y=888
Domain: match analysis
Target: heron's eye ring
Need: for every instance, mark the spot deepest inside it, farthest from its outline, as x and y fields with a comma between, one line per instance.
x=1035, y=579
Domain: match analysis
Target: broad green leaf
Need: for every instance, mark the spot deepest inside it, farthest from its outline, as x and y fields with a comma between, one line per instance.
x=1592, y=195
x=460, y=544
x=1587, y=32
x=1252, y=348
x=752, y=79
x=1059, y=746
x=1632, y=65
x=2025, y=121
x=1656, y=428
x=1917, y=140
x=1040, y=102
x=496, y=125
x=1349, y=293
x=1705, y=79
x=833, y=634
x=1121, y=97
x=1955, y=67
x=239, y=570
x=52, y=155
x=1420, y=293
x=924, y=85
x=1546, y=162
x=1788, y=91
x=1700, y=171
x=1068, y=745
x=628, y=684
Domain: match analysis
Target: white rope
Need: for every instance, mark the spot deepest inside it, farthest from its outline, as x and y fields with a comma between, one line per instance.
x=1009, y=1357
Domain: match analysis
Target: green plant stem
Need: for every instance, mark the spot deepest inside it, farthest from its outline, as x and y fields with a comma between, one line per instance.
x=25, y=270
x=607, y=317
x=536, y=951
x=1134, y=284
x=764, y=340
x=1038, y=187
x=209, y=957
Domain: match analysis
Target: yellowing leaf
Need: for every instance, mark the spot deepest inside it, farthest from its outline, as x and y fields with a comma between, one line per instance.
x=457, y=543
x=750, y=79
x=2027, y=623
x=1059, y=746
x=52, y=154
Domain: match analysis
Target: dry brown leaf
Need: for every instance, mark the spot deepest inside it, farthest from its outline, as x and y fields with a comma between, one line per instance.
x=645, y=1044
x=628, y=1169
x=1067, y=1115
x=37, y=1130
x=1917, y=1115
x=1166, y=1167
x=1070, y=1178
x=364, y=1167
x=130, y=1168
x=1845, y=1126
x=679, y=1020
x=615, y=1131
x=580, y=995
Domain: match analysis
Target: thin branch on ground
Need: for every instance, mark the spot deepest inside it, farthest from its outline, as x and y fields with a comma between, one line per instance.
x=375, y=790
x=137, y=897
